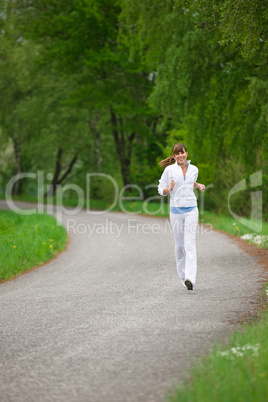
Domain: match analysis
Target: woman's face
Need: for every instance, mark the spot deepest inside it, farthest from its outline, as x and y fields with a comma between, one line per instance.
x=181, y=157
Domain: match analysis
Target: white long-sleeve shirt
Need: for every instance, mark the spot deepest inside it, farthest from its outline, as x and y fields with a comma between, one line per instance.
x=183, y=193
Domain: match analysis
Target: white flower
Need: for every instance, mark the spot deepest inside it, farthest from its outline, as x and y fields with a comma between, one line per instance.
x=259, y=239
x=239, y=351
x=247, y=236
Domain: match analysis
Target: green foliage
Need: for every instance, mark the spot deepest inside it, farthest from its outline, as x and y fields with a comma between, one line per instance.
x=230, y=225
x=81, y=38
x=233, y=372
x=208, y=90
x=242, y=22
x=110, y=86
x=36, y=116
x=28, y=241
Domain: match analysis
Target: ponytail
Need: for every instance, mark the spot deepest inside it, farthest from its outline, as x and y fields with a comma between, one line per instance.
x=168, y=161
x=179, y=147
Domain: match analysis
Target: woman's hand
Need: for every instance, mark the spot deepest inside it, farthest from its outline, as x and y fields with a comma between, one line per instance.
x=171, y=186
x=200, y=186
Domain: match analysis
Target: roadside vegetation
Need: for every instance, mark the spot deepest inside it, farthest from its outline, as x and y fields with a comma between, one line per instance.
x=218, y=221
x=232, y=372
x=105, y=101
x=230, y=225
x=28, y=241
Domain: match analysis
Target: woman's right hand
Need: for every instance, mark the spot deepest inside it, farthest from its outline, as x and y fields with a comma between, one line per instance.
x=171, y=186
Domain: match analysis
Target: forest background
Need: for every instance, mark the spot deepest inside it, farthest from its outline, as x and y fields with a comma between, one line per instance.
x=108, y=86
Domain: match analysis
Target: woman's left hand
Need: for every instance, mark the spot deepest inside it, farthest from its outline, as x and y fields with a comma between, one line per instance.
x=201, y=187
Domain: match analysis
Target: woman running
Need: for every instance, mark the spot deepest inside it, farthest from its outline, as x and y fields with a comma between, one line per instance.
x=179, y=179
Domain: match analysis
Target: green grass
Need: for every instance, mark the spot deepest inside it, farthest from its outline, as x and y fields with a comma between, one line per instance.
x=231, y=373
x=219, y=221
x=27, y=241
x=132, y=206
x=229, y=225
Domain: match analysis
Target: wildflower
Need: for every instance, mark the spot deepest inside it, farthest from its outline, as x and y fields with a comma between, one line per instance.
x=247, y=236
x=51, y=246
x=239, y=351
x=51, y=239
x=14, y=246
x=259, y=239
x=44, y=243
x=237, y=228
x=234, y=224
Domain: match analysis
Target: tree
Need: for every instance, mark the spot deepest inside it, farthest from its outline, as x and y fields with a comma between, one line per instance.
x=207, y=91
x=16, y=90
x=242, y=22
x=35, y=113
x=80, y=37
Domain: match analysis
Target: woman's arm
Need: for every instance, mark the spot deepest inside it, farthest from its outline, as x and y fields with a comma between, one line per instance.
x=200, y=186
x=165, y=186
x=169, y=188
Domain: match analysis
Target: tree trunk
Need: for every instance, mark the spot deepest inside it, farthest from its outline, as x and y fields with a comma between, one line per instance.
x=59, y=176
x=57, y=171
x=95, y=190
x=17, y=185
x=97, y=146
x=97, y=151
x=123, y=147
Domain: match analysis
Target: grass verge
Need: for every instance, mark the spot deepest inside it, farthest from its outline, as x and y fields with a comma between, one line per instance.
x=233, y=373
x=230, y=225
x=28, y=241
x=219, y=221
x=238, y=370
x=135, y=206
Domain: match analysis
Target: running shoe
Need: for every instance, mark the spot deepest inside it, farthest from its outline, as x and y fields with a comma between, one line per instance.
x=188, y=284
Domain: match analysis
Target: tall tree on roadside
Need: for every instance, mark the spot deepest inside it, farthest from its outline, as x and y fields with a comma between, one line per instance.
x=35, y=116
x=207, y=90
x=244, y=23
x=80, y=37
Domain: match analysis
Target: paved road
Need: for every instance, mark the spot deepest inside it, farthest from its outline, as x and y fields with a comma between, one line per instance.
x=108, y=319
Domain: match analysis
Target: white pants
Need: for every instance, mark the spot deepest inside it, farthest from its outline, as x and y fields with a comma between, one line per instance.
x=184, y=229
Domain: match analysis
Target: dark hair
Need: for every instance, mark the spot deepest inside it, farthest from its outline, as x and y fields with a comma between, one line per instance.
x=175, y=150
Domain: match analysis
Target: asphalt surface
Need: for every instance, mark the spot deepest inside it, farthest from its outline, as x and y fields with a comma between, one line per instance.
x=108, y=320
